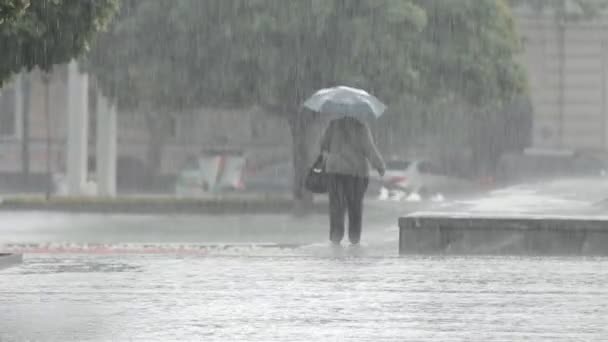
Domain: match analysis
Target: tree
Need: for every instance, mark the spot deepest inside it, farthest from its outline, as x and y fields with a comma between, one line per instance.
x=275, y=53
x=468, y=49
x=43, y=33
x=11, y=10
x=236, y=52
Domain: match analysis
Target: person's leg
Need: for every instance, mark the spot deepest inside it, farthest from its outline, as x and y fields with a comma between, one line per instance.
x=356, y=192
x=337, y=208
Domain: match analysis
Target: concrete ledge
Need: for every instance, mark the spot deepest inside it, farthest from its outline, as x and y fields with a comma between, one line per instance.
x=440, y=234
x=159, y=205
x=8, y=260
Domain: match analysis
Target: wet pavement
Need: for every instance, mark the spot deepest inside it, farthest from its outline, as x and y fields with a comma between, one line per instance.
x=39, y=227
x=571, y=197
x=303, y=296
x=245, y=291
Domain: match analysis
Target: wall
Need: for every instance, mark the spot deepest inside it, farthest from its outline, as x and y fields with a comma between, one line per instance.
x=568, y=79
x=251, y=128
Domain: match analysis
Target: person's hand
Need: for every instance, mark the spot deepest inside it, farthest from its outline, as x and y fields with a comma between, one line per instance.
x=381, y=172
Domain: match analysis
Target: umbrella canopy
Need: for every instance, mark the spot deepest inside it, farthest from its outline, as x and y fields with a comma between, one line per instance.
x=345, y=101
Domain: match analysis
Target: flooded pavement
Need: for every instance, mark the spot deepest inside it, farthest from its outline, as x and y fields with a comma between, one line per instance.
x=45, y=227
x=245, y=291
x=571, y=197
x=303, y=295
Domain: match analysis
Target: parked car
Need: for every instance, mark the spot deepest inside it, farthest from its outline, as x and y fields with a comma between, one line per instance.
x=212, y=171
x=421, y=177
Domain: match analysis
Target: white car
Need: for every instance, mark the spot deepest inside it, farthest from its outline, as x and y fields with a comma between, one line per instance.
x=420, y=177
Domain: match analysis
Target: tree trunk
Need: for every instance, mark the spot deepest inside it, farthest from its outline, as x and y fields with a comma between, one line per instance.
x=561, y=61
x=25, y=129
x=560, y=22
x=487, y=145
x=46, y=78
x=301, y=160
x=157, y=130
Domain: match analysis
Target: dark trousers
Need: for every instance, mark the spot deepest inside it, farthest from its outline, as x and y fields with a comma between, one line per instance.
x=346, y=195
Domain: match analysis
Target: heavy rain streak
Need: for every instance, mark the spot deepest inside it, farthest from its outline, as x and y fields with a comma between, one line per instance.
x=303, y=170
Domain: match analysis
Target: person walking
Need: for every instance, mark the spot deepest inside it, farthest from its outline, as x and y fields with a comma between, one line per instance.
x=348, y=147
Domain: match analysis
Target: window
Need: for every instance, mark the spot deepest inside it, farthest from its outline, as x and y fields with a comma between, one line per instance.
x=8, y=113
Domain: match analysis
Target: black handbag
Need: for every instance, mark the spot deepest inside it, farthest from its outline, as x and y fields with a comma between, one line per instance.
x=316, y=179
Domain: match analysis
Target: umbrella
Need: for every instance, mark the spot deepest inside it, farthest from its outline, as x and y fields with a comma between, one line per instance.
x=345, y=101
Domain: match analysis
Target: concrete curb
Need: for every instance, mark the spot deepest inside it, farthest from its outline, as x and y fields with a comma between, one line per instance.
x=428, y=234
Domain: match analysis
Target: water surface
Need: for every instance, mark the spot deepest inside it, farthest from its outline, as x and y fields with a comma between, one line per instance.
x=303, y=295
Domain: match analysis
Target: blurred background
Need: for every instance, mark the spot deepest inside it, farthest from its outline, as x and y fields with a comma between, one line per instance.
x=192, y=98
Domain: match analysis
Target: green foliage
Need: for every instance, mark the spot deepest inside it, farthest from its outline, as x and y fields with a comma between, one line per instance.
x=276, y=53
x=11, y=10
x=48, y=32
x=467, y=51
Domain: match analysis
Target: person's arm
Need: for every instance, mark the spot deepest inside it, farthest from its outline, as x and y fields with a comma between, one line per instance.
x=371, y=152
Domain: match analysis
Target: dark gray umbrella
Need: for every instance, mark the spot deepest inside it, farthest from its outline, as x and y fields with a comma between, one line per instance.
x=345, y=101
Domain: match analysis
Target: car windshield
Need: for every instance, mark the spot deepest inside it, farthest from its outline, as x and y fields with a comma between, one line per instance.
x=397, y=164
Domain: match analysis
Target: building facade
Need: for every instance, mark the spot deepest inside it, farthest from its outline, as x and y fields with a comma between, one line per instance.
x=567, y=64
x=32, y=128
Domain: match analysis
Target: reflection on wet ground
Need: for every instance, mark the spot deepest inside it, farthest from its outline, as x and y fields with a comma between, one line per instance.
x=303, y=295
x=248, y=292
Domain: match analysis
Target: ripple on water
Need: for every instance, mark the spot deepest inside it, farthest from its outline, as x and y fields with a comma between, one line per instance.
x=295, y=297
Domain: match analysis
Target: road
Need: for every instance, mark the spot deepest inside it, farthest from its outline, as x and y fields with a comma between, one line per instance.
x=297, y=294
x=36, y=231
x=559, y=197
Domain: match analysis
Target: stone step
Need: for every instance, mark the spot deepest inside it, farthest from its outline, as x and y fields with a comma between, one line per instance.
x=513, y=235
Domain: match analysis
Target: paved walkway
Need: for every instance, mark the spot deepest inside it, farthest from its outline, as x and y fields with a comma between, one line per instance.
x=32, y=230
x=580, y=196
x=570, y=197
